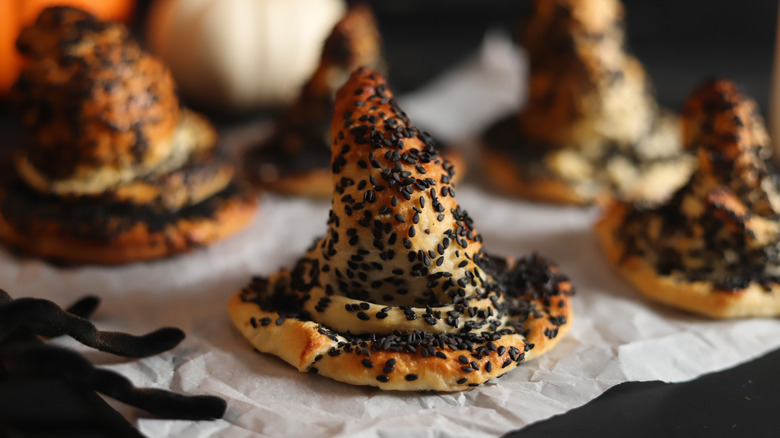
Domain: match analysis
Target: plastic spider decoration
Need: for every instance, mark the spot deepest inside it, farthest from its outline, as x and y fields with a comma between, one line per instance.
x=24, y=321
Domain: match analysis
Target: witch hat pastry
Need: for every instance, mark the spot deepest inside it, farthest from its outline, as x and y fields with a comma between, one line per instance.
x=296, y=159
x=398, y=294
x=111, y=168
x=713, y=247
x=591, y=127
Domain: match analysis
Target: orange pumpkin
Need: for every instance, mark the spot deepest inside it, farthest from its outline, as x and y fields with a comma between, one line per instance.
x=16, y=14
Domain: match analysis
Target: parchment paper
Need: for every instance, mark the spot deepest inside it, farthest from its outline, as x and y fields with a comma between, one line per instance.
x=617, y=334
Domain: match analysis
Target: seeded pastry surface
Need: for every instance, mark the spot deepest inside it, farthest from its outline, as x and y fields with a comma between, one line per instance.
x=295, y=160
x=398, y=294
x=591, y=128
x=713, y=247
x=111, y=169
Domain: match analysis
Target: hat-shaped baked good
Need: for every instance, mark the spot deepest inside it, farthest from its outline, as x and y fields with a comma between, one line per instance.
x=111, y=169
x=398, y=294
x=713, y=247
x=590, y=127
x=295, y=160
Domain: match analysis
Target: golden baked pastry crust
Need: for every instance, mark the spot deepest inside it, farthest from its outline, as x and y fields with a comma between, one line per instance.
x=111, y=169
x=677, y=291
x=89, y=97
x=316, y=182
x=102, y=232
x=295, y=160
x=712, y=248
x=591, y=122
x=505, y=176
x=196, y=173
x=310, y=347
x=400, y=282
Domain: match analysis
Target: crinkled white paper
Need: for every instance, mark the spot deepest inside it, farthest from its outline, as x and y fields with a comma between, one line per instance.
x=617, y=334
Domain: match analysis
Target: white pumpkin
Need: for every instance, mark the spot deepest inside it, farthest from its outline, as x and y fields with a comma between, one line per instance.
x=241, y=54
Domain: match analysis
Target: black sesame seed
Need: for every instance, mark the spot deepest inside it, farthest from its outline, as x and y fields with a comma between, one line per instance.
x=363, y=315
x=463, y=380
x=411, y=377
x=367, y=363
x=382, y=378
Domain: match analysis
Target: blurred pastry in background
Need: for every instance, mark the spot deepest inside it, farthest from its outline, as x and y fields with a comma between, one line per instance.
x=111, y=168
x=399, y=294
x=295, y=160
x=236, y=56
x=713, y=247
x=591, y=127
x=17, y=14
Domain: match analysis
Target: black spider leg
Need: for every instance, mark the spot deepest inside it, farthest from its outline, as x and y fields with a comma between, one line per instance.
x=84, y=307
x=45, y=318
x=41, y=359
x=4, y=298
